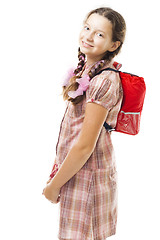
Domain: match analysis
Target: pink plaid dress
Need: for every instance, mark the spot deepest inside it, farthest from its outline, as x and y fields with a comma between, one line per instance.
x=88, y=201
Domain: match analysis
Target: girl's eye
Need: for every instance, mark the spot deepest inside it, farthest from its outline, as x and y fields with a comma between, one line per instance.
x=87, y=28
x=99, y=34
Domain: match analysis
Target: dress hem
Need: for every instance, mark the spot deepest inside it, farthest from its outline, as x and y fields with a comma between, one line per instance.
x=113, y=232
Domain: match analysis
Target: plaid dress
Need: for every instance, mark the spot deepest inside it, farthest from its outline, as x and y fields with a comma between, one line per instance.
x=88, y=201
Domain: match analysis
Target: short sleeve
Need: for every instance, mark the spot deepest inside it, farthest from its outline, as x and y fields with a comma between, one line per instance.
x=103, y=89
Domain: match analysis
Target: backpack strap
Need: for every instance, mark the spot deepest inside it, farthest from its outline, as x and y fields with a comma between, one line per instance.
x=108, y=127
x=112, y=69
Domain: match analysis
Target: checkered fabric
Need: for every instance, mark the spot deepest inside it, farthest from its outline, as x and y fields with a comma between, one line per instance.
x=88, y=201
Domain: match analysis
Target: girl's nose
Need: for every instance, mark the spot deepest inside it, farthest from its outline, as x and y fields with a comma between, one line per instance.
x=89, y=37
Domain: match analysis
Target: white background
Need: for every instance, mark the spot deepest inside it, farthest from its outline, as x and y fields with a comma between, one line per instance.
x=38, y=42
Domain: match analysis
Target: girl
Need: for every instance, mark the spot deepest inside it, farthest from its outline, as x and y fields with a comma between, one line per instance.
x=87, y=176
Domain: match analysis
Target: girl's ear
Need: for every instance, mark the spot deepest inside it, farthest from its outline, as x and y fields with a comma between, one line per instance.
x=114, y=46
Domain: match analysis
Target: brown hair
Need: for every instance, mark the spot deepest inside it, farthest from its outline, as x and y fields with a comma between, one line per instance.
x=118, y=34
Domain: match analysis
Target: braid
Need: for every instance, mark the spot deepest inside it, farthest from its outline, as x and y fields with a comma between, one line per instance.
x=81, y=57
x=96, y=67
x=73, y=84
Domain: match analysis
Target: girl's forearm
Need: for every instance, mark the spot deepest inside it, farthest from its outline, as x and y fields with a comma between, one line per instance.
x=73, y=162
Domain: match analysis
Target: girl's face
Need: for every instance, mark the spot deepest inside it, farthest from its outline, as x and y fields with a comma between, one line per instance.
x=96, y=38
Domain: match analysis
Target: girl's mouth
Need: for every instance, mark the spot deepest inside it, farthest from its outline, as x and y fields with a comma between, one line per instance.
x=86, y=44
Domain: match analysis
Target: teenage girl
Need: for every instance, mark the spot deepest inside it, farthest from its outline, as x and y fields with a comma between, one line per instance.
x=86, y=182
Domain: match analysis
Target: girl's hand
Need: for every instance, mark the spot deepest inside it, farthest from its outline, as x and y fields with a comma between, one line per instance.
x=51, y=194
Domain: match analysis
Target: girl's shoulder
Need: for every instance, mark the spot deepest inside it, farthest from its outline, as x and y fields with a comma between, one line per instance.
x=107, y=76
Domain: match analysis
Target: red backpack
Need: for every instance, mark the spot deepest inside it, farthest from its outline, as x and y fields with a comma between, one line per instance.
x=134, y=89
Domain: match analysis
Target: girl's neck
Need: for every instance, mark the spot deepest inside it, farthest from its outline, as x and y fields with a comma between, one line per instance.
x=88, y=66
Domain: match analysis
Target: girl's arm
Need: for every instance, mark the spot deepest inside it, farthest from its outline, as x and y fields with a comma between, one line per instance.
x=95, y=115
